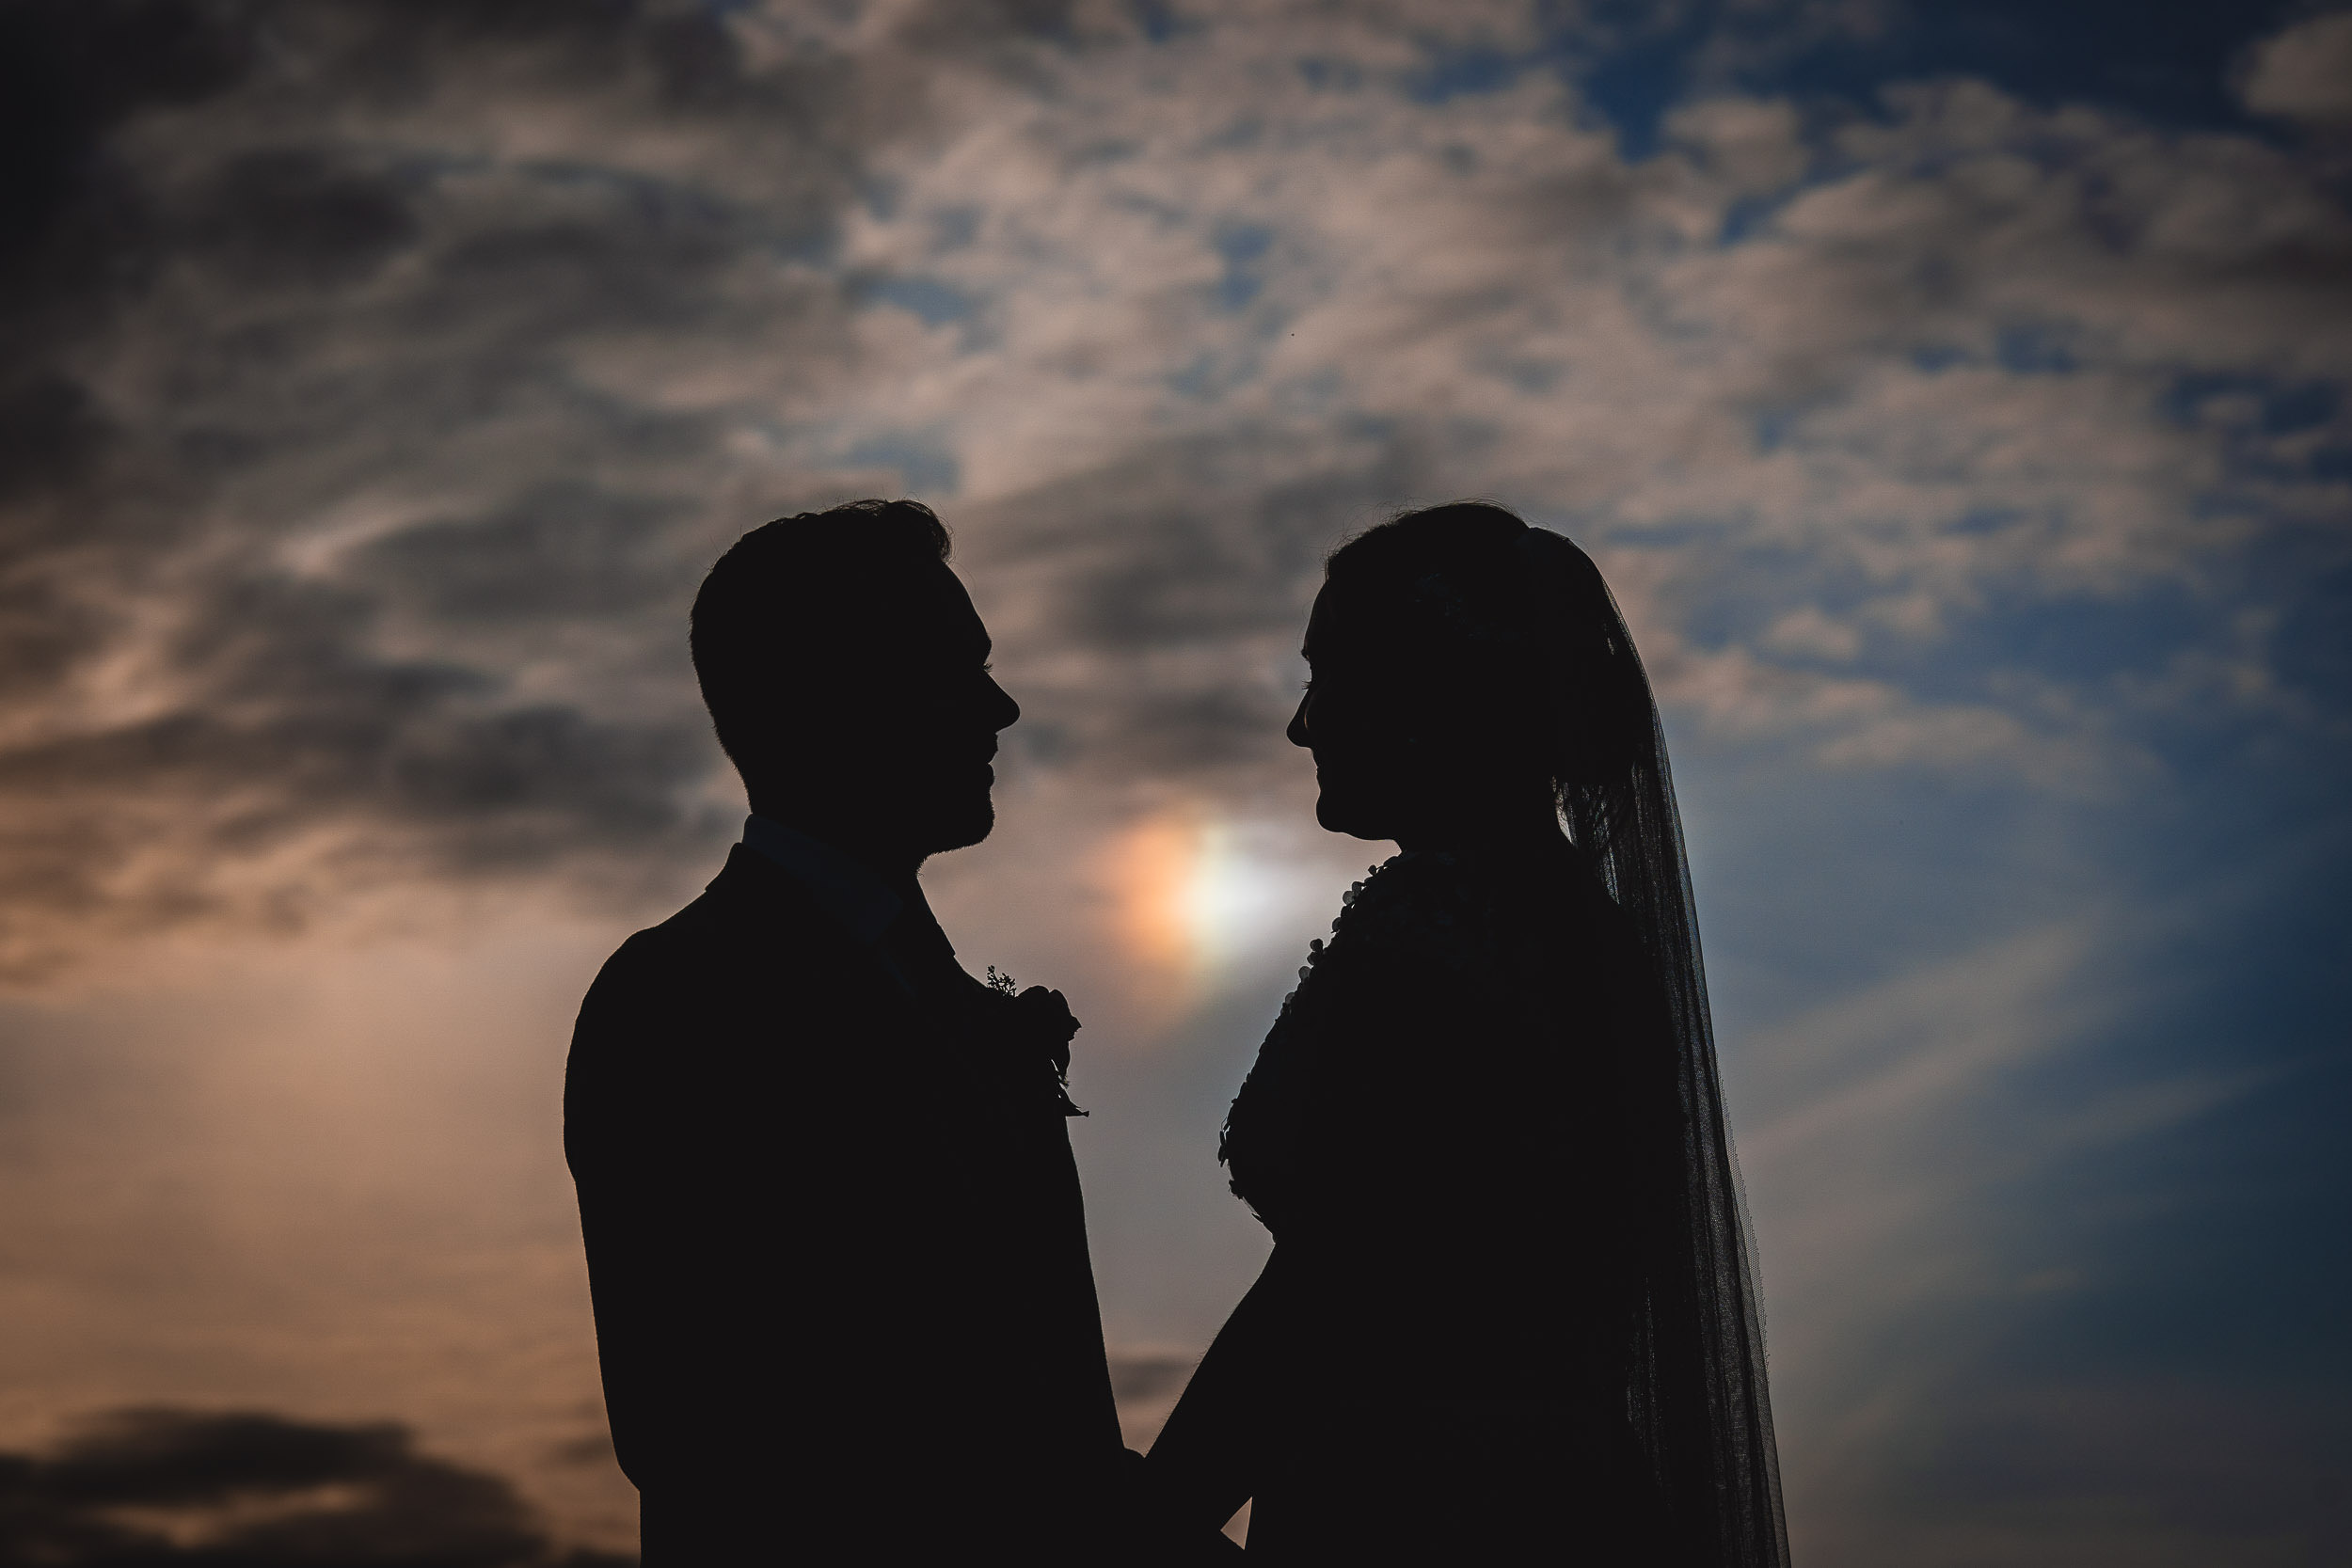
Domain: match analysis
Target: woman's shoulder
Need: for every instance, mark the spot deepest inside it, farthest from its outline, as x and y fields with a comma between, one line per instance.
x=1442, y=904
x=1418, y=889
x=1418, y=916
x=1415, y=893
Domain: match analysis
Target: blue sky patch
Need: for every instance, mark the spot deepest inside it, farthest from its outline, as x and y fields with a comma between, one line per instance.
x=934, y=302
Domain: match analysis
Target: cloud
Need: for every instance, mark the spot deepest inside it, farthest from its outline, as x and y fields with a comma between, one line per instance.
x=2301, y=73
x=297, y=403
x=164, y=1486
x=1147, y=1385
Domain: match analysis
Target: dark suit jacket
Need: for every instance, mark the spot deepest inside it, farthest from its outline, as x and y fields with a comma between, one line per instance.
x=839, y=1262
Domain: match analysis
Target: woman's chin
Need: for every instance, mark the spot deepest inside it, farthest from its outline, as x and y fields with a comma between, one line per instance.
x=1342, y=816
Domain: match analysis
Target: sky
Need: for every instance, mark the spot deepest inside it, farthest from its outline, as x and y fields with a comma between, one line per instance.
x=1954, y=394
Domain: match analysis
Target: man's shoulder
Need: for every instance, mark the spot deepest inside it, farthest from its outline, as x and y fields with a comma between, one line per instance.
x=730, y=990
x=753, y=927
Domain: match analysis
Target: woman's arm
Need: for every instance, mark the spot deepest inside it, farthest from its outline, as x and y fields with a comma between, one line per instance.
x=1206, y=1461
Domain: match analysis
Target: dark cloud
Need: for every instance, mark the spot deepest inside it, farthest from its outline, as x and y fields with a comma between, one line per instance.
x=1184, y=573
x=1206, y=539
x=1179, y=733
x=409, y=765
x=150, y=1487
x=71, y=72
x=1138, y=1377
x=249, y=271
x=1191, y=568
x=77, y=227
x=49, y=431
x=565, y=548
x=292, y=215
x=374, y=385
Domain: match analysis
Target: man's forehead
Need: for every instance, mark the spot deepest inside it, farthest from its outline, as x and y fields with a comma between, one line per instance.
x=933, y=617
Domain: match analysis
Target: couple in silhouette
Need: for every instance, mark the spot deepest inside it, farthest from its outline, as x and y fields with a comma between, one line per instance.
x=836, y=1239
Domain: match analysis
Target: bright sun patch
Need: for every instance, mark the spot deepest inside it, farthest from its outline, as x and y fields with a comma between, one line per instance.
x=1201, y=901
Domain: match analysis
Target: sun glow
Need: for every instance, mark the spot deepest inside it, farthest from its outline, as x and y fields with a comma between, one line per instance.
x=1200, y=901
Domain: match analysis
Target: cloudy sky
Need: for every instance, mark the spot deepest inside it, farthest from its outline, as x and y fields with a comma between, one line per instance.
x=1954, y=393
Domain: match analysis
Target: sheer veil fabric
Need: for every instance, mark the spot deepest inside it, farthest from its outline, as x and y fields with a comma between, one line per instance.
x=1697, y=1401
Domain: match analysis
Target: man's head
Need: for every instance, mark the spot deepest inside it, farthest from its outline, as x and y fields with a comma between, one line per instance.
x=847, y=674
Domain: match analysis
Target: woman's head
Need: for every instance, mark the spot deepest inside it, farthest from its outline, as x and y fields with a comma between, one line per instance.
x=1467, y=669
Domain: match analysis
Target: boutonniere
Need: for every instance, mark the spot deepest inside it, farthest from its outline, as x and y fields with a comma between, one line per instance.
x=1033, y=1027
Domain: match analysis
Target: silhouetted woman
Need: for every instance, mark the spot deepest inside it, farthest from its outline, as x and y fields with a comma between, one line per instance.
x=1510, y=1316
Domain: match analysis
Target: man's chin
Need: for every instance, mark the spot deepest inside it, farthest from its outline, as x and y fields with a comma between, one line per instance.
x=961, y=830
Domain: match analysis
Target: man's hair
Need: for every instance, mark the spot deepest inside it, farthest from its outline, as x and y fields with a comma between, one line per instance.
x=799, y=594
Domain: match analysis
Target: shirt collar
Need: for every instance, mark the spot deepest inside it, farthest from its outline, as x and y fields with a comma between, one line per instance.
x=840, y=886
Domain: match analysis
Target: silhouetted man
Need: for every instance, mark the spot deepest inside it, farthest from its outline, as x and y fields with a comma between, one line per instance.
x=842, y=1293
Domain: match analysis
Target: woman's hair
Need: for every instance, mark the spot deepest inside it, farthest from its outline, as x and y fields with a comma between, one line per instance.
x=1512, y=623
x=1482, y=609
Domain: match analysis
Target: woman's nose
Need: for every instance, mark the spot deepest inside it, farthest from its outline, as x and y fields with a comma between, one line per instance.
x=1297, y=731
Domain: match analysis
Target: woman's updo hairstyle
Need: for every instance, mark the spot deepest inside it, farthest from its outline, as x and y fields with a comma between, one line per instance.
x=1465, y=598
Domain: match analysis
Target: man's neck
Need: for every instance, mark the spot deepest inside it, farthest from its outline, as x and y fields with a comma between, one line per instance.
x=885, y=855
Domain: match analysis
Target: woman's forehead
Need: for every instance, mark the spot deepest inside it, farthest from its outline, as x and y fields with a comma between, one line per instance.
x=1337, y=625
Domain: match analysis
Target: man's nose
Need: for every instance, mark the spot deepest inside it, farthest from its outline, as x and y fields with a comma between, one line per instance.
x=1003, y=711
